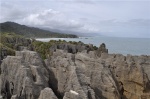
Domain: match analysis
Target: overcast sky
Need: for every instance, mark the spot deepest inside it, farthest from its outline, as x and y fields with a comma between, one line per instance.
x=121, y=18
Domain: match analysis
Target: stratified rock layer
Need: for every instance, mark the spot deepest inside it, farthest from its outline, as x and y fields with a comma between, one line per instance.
x=72, y=48
x=47, y=93
x=84, y=75
x=23, y=75
x=133, y=72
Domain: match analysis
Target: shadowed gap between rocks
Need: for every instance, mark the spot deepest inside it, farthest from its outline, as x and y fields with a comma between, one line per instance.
x=5, y=92
x=53, y=83
x=121, y=91
x=98, y=94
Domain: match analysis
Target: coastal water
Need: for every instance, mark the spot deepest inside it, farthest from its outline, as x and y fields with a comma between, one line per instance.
x=133, y=46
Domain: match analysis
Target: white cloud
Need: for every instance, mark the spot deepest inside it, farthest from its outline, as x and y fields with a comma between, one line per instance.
x=56, y=20
x=107, y=17
x=9, y=12
x=52, y=19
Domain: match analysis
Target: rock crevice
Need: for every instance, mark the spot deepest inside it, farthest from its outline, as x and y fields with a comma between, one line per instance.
x=80, y=75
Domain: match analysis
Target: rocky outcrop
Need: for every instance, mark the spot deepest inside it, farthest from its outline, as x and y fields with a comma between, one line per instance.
x=72, y=48
x=133, y=73
x=101, y=49
x=128, y=76
x=15, y=41
x=83, y=75
x=3, y=54
x=47, y=93
x=23, y=76
x=11, y=42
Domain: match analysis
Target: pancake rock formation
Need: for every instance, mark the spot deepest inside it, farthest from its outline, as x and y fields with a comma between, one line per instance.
x=80, y=75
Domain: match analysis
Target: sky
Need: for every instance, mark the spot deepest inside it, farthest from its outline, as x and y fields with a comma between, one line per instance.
x=119, y=18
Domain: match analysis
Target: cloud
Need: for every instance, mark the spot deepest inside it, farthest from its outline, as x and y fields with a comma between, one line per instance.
x=56, y=20
x=109, y=17
x=129, y=28
x=9, y=12
x=52, y=19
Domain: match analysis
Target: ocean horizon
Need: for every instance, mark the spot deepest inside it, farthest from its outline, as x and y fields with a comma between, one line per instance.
x=115, y=45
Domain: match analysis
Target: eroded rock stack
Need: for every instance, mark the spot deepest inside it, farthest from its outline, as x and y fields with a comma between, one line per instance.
x=83, y=75
x=23, y=76
x=102, y=49
x=72, y=48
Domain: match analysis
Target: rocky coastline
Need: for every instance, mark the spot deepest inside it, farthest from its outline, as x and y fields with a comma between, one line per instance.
x=74, y=72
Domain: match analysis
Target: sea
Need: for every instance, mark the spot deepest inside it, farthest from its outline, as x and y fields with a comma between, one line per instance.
x=115, y=45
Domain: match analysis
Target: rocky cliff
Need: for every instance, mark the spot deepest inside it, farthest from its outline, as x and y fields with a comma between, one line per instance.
x=83, y=75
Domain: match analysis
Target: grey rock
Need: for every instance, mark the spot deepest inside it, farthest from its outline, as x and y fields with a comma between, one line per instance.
x=14, y=97
x=47, y=93
x=102, y=49
x=84, y=75
x=23, y=75
x=72, y=48
x=3, y=53
x=72, y=95
x=108, y=75
x=1, y=97
x=75, y=75
x=133, y=74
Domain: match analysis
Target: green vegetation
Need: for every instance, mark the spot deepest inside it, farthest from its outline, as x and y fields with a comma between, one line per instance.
x=95, y=47
x=31, y=32
x=10, y=51
x=9, y=37
x=42, y=48
x=11, y=41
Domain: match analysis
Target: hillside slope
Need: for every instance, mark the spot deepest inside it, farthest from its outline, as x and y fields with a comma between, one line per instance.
x=30, y=31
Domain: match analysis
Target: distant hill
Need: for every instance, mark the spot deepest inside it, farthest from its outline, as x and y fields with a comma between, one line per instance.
x=71, y=32
x=12, y=27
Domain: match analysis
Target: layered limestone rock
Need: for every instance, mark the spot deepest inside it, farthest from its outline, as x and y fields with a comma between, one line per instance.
x=83, y=75
x=47, y=93
x=72, y=48
x=133, y=73
x=23, y=76
x=107, y=75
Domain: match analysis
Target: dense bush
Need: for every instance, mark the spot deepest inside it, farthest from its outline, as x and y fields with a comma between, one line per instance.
x=10, y=51
x=42, y=48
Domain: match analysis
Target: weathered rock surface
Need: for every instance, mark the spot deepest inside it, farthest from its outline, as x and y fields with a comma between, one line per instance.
x=16, y=42
x=133, y=72
x=23, y=75
x=72, y=48
x=101, y=49
x=84, y=75
x=47, y=93
x=10, y=42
